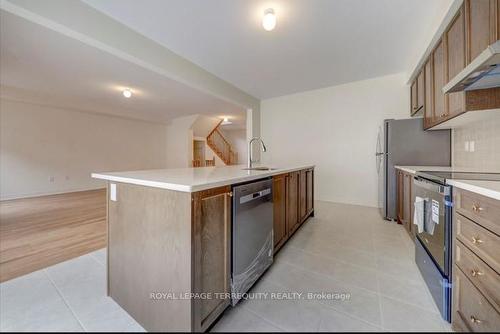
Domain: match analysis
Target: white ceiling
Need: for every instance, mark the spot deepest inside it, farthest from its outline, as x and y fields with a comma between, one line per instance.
x=50, y=67
x=316, y=43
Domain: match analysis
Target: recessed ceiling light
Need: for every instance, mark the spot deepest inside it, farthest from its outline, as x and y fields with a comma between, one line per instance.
x=226, y=121
x=127, y=93
x=269, y=19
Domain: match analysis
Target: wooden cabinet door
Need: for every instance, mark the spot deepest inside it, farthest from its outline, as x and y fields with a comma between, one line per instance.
x=302, y=195
x=400, y=187
x=428, y=105
x=279, y=203
x=482, y=25
x=310, y=191
x=497, y=37
x=414, y=102
x=420, y=89
x=212, y=253
x=439, y=76
x=455, y=38
x=292, y=202
x=407, y=201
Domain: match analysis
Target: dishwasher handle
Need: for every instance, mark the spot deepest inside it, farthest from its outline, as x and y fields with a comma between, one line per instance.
x=254, y=196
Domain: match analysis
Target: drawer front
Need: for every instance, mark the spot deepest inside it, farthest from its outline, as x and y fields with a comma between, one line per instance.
x=483, y=210
x=479, y=273
x=470, y=305
x=482, y=242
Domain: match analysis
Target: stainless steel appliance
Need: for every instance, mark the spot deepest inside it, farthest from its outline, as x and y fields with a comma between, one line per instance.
x=252, y=235
x=433, y=251
x=404, y=142
x=483, y=72
x=433, y=244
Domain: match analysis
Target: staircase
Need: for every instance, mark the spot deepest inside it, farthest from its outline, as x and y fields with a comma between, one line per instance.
x=221, y=147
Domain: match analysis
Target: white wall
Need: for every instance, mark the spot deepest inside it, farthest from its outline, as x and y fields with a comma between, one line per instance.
x=334, y=128
x=39, y=142
x=180, y=142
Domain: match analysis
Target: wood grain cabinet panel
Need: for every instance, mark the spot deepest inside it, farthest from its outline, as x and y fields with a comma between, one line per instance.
x=310, y=191
x=408, y=202
x=421, y=90
x=413, y=98
x=400, y=201
x=439, y=76
x=302, y=195
x=482, y=25
x=483, y=210
x=471, y=306
x=292, y=202
x=212, y=253
x=455, y=38
x=476, y=257
x=279, y=203
x=482, y=242
x=428, y=105
x=479, y=273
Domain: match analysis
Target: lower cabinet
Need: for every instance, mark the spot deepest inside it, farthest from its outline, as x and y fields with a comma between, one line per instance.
x=211, y=221
x=279, y=201
x=405, y=201
x=293, y=195
x=476, y=258
x=293, y=202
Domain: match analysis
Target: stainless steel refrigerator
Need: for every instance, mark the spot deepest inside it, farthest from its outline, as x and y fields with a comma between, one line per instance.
x=404, y=142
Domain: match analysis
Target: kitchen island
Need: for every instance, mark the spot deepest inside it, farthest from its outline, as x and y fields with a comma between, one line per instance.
x=169, y=238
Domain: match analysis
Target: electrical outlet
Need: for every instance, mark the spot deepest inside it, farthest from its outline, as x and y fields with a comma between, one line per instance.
x=472, y=145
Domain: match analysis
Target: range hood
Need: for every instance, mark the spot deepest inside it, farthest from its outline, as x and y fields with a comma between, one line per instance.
x=482, y=73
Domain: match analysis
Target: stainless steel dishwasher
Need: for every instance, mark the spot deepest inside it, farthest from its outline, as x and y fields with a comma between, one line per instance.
x=252, y=235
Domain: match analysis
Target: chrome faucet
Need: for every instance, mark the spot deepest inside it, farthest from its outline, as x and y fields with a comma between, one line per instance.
x=250, y=155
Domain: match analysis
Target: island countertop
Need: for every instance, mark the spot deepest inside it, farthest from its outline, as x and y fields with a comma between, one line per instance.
x=193, y=179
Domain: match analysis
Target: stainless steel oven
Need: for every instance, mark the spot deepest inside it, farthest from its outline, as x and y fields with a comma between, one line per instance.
x=434, y=235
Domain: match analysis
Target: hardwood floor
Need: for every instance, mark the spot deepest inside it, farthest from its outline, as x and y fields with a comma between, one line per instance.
x=41, y=231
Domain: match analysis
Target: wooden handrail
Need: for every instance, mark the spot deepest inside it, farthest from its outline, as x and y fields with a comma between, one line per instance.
x=216, y=127
x=225, y=153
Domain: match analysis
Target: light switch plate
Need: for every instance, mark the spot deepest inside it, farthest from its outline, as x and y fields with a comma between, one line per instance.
x=112, y=192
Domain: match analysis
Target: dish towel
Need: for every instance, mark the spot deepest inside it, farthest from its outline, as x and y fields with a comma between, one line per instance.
x=418, y=214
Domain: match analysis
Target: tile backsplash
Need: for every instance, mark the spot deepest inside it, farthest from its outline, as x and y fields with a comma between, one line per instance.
x=477, y=145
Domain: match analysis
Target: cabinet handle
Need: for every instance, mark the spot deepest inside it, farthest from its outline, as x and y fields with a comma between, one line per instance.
x=476, y=240
x=230, y=194
x=477, y=208
x=475, y=273
x=474, y=320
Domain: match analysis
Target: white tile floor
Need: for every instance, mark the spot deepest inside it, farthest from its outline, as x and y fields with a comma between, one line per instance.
x=344, y=249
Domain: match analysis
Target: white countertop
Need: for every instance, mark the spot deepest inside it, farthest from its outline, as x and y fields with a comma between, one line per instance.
x=192, y=179
x=415, y=169
x=486, y=188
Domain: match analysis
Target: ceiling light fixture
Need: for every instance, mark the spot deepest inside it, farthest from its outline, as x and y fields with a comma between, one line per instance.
x=269, y=19
x=226, y=121
x=127, y=93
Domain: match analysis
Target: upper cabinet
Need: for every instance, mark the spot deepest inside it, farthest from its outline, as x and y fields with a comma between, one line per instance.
x=483, y=24
x=413, y=97
x=417, y=94
x=474, y=27
x=428, y=86
x=455, y=61
x=439, y=78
